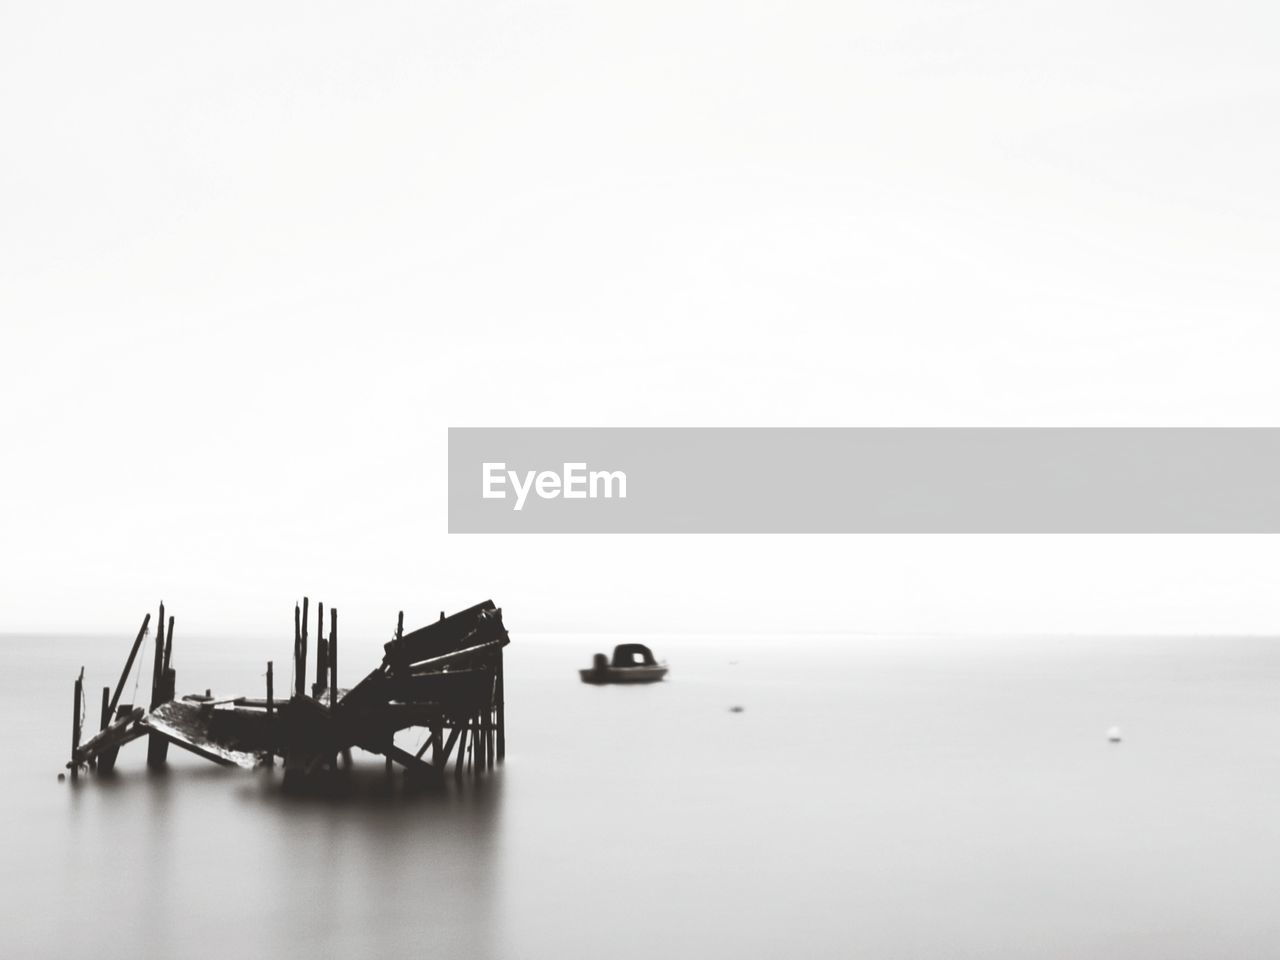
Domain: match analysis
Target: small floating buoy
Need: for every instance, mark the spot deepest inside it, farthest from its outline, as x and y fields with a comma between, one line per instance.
x=1113, y=735
x=61, y=777
x=735, y=709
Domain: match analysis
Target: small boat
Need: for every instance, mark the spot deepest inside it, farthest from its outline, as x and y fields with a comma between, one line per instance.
x=632, y=663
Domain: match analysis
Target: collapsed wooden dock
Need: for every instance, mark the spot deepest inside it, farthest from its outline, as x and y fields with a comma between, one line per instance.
x=445, y=678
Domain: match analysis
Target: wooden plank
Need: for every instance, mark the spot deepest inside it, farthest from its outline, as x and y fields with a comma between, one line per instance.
x=447, y=635
x=431, y=665
x=186, y=725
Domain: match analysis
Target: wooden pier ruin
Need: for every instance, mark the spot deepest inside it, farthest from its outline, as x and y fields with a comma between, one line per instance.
x=445, y=678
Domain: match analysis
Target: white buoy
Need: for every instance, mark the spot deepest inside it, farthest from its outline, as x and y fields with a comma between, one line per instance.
x=1114, y=734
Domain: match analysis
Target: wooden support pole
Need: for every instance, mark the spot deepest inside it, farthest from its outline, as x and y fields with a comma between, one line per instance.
x=437, y=745
x=75, y=724
x=271, y=710
x=400, y=626
x=322, y=668
x=322, y=665
x=502, y=725
x=297, y=649
x=302, y=655
x=426, y=745
x=133, y=654
x=333, y=654
x=107, y=755
x=461, y=760
x=297, y=634
x=157, y=749
x=488, y=734
x=157, y=669
x=106, y=708
x=168, y=648
x=448, y=747
x=158, y=746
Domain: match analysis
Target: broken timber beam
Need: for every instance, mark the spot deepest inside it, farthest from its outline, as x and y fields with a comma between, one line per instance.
x=413, y=765
x=125, y=728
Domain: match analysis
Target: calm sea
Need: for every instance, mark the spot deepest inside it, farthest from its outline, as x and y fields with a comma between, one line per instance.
x=937, y=798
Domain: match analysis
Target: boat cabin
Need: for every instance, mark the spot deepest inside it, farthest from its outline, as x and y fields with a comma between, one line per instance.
x=633, y=655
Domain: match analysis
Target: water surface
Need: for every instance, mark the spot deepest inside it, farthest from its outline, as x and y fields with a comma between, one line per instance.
x=874, y=797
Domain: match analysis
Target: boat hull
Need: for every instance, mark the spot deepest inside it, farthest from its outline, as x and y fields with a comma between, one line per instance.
x=638, y=674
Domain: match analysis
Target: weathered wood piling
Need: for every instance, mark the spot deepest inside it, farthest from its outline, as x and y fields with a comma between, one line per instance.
x=76, y=713
x=157, y=745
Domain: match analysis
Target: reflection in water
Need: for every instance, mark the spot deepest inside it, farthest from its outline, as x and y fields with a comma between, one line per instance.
x=204, y=861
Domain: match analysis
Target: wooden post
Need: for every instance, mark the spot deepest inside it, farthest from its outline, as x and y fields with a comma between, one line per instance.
x=107, y=756
x=271, y=710
x=157, y=750
x=333, y=654
x=488, y=733
x=298, y=678
x=502, y=725
x=400, y=626
x=158, y=746
x=322, y=667
x=75, y=724
x=322, y=654
x=106, y=708
x=302, y=661
x=437, y=745
x=461, y=760
x=297, y=643
x=157, y=669
x=133, y=654
x=168, y=650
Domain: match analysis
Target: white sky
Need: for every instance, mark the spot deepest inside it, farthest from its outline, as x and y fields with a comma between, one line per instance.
x=254, y=259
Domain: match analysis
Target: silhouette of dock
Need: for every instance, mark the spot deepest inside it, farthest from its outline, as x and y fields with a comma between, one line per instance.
x=445, y=678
